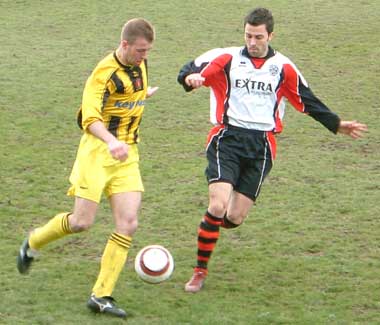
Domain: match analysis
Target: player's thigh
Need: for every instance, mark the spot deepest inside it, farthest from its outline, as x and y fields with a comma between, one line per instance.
x=83, y=214
x=219, y=196
x=125, y=207
x=239, y=207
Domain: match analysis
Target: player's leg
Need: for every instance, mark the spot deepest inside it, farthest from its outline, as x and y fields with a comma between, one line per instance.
x=256, y=165
x=59, y=226
x=87, y=179
x=222, y=171
x=208, y=232
x=125, y=207
x=245, y=194
x=237, y=211
x=65, y=223
x=124, y=191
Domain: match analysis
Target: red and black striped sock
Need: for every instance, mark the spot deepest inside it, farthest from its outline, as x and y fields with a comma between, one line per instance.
x=227, y=224
x=208, y=234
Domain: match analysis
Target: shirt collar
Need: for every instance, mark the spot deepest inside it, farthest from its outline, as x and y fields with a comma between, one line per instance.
x=271, y=52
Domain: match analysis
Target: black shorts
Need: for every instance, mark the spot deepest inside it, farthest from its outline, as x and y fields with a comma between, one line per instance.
x=241, y=157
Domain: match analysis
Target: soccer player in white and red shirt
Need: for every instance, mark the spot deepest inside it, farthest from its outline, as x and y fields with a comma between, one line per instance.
x=248, y=88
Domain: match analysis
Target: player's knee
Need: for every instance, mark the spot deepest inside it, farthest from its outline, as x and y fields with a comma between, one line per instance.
x=217, y=208
x=79, y=227
x=236, y=219
x=127, y=226
x=80, y=223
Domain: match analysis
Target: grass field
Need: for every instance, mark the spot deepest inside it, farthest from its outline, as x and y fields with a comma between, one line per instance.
x=308, y=253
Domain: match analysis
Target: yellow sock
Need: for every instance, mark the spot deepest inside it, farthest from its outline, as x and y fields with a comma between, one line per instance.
x=113, y=260
x=56, y=228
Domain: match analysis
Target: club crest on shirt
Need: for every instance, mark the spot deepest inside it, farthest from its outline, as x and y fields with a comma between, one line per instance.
x=135, y=75
x=137, y=84
x=273, y=69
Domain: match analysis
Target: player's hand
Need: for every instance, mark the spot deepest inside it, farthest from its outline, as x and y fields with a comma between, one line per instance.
x=352, y=128
x=151, y=91
x=194, y=80
x=118, y=150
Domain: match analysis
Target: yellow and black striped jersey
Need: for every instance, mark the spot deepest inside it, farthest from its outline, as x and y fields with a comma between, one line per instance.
x=115, y=94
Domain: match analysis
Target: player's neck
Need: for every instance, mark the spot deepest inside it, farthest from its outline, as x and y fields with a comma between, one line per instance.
x=120, y=58
x=262, y=56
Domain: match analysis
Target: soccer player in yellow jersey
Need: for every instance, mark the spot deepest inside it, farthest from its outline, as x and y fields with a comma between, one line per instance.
x=107, y=160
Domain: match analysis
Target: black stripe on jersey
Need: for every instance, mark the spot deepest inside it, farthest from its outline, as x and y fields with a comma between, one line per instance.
x=118, y=83
x=136, y=133
x=227, y=69
x=129, y=126
x=146, y=67
x=134, y=123
x=282, y=76
x=105, y=98
x=79, y=118
x=114, y=124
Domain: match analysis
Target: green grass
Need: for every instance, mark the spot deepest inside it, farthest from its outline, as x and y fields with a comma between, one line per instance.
x=309, y=251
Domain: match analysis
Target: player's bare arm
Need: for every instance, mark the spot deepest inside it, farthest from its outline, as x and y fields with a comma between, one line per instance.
x=118, y=149
x=195, y=80
x=352, y=128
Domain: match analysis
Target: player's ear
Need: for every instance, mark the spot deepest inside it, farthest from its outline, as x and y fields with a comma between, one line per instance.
x=270, y=36
x=124, y=44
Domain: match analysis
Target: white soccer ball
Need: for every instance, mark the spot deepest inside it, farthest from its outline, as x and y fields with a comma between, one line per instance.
x=154, y=264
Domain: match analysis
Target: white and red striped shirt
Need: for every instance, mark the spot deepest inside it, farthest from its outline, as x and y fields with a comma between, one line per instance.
x=250, y=93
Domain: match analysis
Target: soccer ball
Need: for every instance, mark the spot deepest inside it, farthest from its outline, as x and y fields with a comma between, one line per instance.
x=154, y=264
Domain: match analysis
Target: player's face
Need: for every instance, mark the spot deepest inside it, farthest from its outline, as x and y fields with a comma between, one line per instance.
x=257, y=40
x=135, y=53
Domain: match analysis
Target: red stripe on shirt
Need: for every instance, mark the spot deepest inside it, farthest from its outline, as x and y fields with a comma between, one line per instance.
x=215, y=77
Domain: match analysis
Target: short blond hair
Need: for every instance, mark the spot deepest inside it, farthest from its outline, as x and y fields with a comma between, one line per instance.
x=136, y=28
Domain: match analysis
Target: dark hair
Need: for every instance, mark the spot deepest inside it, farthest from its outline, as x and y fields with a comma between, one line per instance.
x=137, y=27
x=260, y=16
